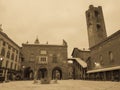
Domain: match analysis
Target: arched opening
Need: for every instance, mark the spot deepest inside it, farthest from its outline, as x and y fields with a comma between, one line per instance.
x=31, y=74
x=28, y=73
x=42, y=73
x=57, y=73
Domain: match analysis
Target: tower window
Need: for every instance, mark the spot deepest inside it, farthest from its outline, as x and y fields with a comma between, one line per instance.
x=98, y=26
x=96, y=14
x=89, y=15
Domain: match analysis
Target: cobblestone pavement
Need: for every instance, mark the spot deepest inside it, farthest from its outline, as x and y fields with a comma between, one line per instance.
x=61, y=85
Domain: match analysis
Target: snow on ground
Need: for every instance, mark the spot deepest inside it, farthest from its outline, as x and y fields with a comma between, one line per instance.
x=61, y=85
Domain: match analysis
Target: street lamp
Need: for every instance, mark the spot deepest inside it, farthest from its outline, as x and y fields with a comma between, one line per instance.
x=1, y=59
x=23, y=67
x=35, y=69
x=1, y=78
x=97, y=65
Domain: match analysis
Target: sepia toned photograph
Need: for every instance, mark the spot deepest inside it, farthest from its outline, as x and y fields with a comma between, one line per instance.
x=59, y=44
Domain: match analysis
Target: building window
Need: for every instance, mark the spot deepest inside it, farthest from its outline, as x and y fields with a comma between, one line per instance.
x=43, y=52
x=42, y=60
x=31, y=57
x=3, y=52
x=54, y=58
x=15, y=67
x=9, y=47
x=17, y=51
x=11, y=65
x=4, y=43
x=111, y=56
x=8, y=54
x=13, y=50
x=12, y=56
x=7, y=64
x=101, y=60
x=16, y=58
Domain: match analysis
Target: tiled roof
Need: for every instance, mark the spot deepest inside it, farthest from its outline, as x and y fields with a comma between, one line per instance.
x=80, y=61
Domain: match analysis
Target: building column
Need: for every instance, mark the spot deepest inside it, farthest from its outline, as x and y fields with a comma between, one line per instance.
x=104, y=76
x=112, y=76
x=6, y=75
x=119, y=74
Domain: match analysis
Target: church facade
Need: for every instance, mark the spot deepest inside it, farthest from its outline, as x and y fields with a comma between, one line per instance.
x=45, y=59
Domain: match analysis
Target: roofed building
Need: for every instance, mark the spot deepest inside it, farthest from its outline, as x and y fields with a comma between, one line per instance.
x=79, y=68
x=79, y=58
x=46, y=59
x=10, y=62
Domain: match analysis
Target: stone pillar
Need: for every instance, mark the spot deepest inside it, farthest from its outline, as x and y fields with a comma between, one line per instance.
x=6, y=76
x=104, y=76
x=112, y=76
x=119, y=74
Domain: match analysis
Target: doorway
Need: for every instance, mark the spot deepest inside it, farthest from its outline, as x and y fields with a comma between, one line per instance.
x=42, y=73
x=57, y=73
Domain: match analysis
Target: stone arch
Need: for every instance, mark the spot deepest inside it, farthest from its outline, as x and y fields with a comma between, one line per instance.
x=28, y=73
x=42, y=73
x=57, y=73
x=31, y=74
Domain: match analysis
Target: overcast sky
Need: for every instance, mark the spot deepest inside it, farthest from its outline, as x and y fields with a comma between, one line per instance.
x=54, y=20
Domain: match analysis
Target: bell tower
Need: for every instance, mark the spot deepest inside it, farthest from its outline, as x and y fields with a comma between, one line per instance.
x=95, y=25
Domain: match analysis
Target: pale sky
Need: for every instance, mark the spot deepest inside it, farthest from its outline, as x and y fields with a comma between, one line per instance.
x=54, y=20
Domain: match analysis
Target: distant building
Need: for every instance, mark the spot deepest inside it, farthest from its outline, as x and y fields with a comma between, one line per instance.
x=83, y=54
x=10, y=62
x=103, y=63
x=79, y=68
x=46, y=59
x=79, y=58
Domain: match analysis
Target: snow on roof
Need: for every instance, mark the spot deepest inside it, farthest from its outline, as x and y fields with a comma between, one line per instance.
x=104, y=69
x=80, y=61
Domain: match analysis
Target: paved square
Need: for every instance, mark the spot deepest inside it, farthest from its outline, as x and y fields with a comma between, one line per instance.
x=61, y=85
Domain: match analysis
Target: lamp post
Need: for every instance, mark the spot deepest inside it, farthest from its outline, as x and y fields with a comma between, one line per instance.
x=35, y=70
x=97, y=65
x=1, y=59
x=23, y=67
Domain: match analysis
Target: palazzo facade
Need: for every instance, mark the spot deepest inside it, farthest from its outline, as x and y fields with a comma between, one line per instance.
x=46, y=59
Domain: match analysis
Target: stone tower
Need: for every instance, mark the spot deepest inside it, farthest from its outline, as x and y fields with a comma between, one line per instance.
x=95, y=25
